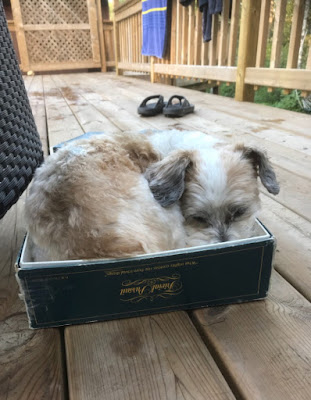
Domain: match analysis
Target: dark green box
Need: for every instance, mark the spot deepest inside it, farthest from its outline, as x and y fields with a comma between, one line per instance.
x=80, y=291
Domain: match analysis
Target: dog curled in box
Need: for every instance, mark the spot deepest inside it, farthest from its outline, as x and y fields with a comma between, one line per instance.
x=124, y=194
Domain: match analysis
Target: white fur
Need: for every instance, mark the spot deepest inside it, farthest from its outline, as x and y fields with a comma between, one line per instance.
x=167, y=141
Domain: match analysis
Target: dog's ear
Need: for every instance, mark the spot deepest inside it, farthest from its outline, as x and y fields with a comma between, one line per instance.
x=166, y=178
x=262, y=167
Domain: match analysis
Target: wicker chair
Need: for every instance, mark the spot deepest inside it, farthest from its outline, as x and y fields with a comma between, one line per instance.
x=20, y=146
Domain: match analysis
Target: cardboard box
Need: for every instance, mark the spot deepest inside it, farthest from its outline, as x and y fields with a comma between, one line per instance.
x=79, y=291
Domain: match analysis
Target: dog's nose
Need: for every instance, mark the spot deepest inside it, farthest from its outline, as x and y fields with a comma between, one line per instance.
x=222, y=235
x=223, y=238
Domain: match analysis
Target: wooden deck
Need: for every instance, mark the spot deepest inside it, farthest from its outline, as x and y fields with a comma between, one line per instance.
x=259, y=350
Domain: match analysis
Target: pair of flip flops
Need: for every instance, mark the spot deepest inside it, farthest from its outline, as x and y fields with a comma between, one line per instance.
x=169, y=109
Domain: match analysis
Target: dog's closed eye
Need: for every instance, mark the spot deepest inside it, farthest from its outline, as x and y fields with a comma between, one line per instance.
x=235, y=213
x=239, y=212
x=200, y=219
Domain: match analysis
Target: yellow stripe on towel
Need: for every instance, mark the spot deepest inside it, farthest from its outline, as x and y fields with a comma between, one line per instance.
x=154, y=9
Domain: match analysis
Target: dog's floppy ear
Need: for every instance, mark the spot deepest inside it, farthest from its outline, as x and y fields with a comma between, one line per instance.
x=262, y=167
x=166, y=178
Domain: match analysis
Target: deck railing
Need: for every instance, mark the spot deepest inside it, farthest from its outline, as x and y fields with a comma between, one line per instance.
x=237, y=53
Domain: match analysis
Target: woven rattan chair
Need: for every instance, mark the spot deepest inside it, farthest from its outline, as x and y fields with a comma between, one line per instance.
x=20, y=146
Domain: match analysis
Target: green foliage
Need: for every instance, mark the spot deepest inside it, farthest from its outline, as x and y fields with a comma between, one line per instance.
x=274, y=99
x=227, y=91
x=289, y=102
x=263, y=96
x=278, y=99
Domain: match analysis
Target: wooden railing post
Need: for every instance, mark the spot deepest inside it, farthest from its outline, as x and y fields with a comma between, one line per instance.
x=295, y=34
x=247, y=47
x=101, y=37
x=152, y=76
x=20, y=35
x=116, y=45
x=308, y=66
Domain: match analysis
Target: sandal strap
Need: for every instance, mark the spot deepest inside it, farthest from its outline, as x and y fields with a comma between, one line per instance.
x=157, y=96
x=184, y=103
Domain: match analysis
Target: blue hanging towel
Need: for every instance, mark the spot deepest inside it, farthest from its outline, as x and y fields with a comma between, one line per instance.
x=154, y=27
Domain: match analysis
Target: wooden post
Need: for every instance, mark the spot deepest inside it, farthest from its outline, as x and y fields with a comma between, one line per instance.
x=308, y=66
x=213, y=44
x=152, y=76
x=198, y=37
x=235, y=14
x=191, y=34
x=277, y=40
x=295, y=35
x=20, y=35
x=172, y=55
x=184, y=51
x=222, y=51
x=101, y=36
x=93, y=23
x=263, y=33
x=247, y=47
x=116, y=43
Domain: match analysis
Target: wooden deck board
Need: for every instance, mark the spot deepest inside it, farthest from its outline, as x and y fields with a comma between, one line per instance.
x=293, y=254
x=61, y=121
x=158, y=357
x=31, y=361
x=89, y=118
x=117, y=117
x=37, y=103
x=262, y=348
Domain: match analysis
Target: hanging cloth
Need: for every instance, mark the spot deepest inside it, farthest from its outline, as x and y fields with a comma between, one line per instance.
x=185, y=3
x=154, y=27
x=208, y=8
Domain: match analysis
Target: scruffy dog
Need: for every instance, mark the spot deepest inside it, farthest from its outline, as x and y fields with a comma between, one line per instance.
x=118, y=195
x=215, y=183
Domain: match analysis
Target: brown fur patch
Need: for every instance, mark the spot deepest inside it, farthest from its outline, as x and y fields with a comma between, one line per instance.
x=140, y=151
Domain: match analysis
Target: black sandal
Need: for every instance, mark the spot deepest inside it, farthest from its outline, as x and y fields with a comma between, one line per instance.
x=179, y=109
x=151, y=109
